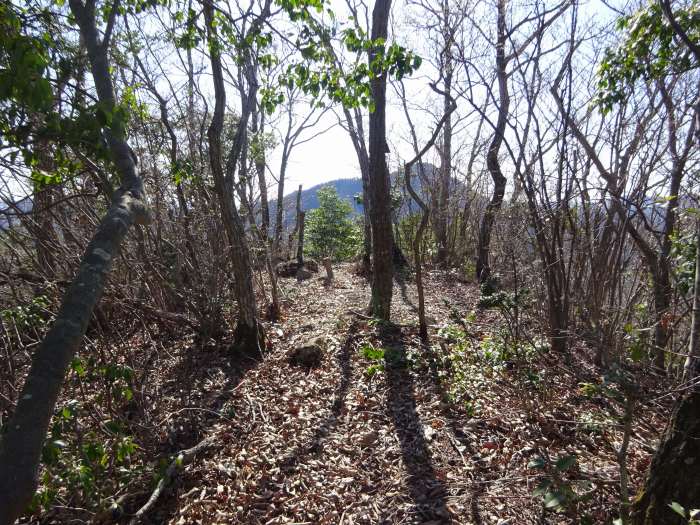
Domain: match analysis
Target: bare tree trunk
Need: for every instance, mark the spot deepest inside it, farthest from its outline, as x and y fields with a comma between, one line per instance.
x=357, y=136
x=20, y=449
x=296, y=224
x=442, y=215
x=300, y=242
x=367, y=223
x=379, y=186
x=662, y=302
x=249, y=332
x=42, y=223
x=279, y=212
x=483, y=270
x=425, y=212
x=328, y=265
x=300, y=247
x=417, y=256
x=259, y=160
x=661, y=276
x=621, y=454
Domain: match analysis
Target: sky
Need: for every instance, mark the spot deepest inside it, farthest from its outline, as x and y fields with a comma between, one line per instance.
x=330, y=155
x=327, y=157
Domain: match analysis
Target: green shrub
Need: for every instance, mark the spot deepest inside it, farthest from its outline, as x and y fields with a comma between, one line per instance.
x=330, y=231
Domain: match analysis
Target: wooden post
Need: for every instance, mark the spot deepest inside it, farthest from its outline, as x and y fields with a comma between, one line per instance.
x=296, y=225
x=300, y=247
x=300, y=243
x=329, y=269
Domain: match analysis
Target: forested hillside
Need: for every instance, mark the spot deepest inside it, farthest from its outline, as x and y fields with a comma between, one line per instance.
x=204, y=320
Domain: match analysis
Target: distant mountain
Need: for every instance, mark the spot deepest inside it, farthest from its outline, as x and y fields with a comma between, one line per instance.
x=347, y=189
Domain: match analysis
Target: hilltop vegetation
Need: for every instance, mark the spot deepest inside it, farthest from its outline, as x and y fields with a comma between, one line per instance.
x=497, y=322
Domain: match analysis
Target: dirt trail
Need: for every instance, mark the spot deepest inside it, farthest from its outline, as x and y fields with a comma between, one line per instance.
x=341, y=444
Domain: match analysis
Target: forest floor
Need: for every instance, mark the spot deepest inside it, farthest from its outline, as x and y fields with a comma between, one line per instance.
x=387, y=430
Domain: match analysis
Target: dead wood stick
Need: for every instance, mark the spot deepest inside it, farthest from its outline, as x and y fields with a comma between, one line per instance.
x=182, y=458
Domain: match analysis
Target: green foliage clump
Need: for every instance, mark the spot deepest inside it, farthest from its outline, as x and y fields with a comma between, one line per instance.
x=683, y=253
x=87, y=461
x=79, y=460
x=31, y=315
x=557, y=491
x=330, y=232
x=648, y=51
x=380, y=357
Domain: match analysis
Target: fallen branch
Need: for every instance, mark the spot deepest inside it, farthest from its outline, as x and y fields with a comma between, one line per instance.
x=182, y=458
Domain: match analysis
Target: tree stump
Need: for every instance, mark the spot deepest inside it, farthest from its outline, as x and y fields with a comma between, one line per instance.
x=329, y=269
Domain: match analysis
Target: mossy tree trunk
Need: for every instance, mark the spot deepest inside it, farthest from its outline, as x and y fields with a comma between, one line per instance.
x=20, y=448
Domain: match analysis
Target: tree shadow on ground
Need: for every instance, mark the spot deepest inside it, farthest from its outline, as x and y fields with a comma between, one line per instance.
x=289, y=463
x=448, y=412
x=426, y=489
x=202, y=397
x=400, y=279
x=198, y=410
x=330, y=422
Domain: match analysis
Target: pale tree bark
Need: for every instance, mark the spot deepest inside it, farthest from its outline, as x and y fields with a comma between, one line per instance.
x=379, y=185
x=442, y=212
x=20, y=449
x=257, y=128
x=249, y=332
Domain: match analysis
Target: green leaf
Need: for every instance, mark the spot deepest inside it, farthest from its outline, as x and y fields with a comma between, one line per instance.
x=370, y=352
x=542, y=488
x=554, y=500
x=565, y=463
x=677, y=508
x=537, y=462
